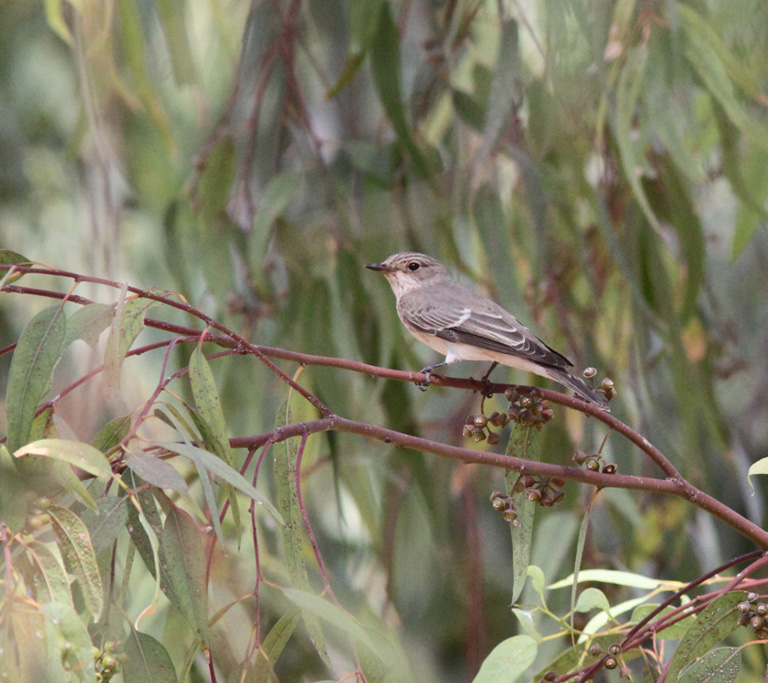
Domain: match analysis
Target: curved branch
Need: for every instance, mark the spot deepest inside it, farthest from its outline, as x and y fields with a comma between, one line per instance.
x=670, y=486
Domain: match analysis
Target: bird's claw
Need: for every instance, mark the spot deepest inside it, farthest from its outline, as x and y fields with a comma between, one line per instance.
x=427, y=377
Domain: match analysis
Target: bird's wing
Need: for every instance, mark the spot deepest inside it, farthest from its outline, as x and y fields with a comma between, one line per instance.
x=486, y=325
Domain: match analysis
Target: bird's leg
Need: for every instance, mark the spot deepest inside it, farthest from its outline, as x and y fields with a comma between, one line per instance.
x=486, y=384
x=428, y=371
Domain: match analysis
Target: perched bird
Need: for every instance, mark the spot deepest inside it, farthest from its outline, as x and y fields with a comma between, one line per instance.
x=465, y=325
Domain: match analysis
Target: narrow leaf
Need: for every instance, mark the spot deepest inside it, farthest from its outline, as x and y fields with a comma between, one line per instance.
x=385, y=64
x=111, y=434
x=127, y=325
x=220, y=469
x=88, y=322
x=182, y=558
x=50, y=572
x=328, y=612
x=76, y=548
x=156, y=471
x=70, y=640
x=522, y=527
x=76, y=453
x=29, y=378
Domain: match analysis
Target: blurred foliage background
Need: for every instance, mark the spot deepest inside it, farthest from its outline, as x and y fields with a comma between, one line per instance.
x=597, y=166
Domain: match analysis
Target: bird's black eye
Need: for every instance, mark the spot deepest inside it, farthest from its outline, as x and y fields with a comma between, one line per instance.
x=414, y=265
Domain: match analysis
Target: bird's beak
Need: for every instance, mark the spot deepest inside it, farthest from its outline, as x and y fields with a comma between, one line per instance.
x=378, y=266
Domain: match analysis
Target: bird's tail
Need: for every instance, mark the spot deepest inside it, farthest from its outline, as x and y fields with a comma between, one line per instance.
x=578, y=386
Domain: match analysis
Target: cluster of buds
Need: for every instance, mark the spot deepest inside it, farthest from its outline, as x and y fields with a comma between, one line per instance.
x=594, y=462
x=477, y=427
x=527, y=410
x=505, y=506
x=606, y=387
x=545, y=491
x=754, y=614
x=106, y=661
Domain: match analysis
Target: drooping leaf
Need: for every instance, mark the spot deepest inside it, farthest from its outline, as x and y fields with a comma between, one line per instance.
x=385, y=64
x=76, y=548
x=519, y=445
x=76, y=453
x=69, y=637
x=126, y=326
x=29, y=378
x=182, y=558
x=156, y=471
x=88, y=322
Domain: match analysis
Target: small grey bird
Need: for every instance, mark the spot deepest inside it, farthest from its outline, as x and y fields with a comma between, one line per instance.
x=465, y=325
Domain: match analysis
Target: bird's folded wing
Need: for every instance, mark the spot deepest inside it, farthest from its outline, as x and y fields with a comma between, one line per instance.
x=488, y=329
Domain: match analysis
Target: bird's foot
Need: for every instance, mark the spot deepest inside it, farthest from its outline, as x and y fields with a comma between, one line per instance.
x=427, y=372
x=486, y=390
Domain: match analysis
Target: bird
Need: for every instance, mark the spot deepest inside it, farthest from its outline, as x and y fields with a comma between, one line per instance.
x=463, y=324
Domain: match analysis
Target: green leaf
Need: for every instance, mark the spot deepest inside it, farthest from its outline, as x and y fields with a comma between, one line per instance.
x=712, y=625
x=173, y=25
x=76, y=453
x=182, y=559
x=705, y=51
x=611, y=576
x=276, y=197
x=223, y=471
x=29, y=378
x=106, y=522
x=88, y=322
x=50, y=572
x=273, y=646
x=674, y=632
x=146, y=660
x=506, y=88
x=126, y=326
x=328, y=612
x=385, y=64
x=76, y=548
x=628, y=93
x=70, y=639
x=8, y=257
x=592, y=598
x=759, y=467
x=520, y=445
x=111, y=434
x=525, y=619
x=156, y=471
x=292, y=531
x=508, y=661
x=720, y=665
x=208, y=404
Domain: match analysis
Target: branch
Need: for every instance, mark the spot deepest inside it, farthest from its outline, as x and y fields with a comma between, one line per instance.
x=670, y=486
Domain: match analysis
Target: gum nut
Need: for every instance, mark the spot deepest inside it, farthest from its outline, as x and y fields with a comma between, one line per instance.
x=589, y=372
x=480, y=421
x=493, y=438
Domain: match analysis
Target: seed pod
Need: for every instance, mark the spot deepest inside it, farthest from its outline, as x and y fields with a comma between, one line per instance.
x=615, y=649
x=493, y=438
x=610, y=663
x=593, y=464
x=609, y=468
x=480, y=421
x=509, y=515
x=589, y=373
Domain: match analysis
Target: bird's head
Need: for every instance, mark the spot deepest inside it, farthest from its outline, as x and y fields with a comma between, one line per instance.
x=409, y=270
